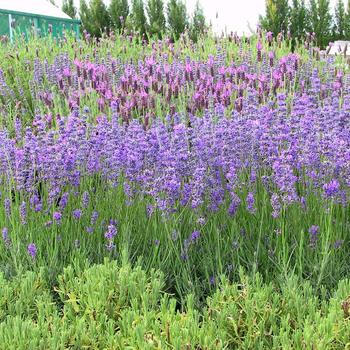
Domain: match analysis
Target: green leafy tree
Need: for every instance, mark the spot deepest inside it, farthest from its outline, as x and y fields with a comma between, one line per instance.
x=139, y=19
x=283, y=10
x=269, y=21
x=69, y=8
x=313, y=16
x=85, y=16
x=198, y=24
x=298, y=18
x=177, y=17
x=339, y=28
x=320, y=20
x=99, y=17
x=277, y=16
x=155, y=12
x=347, y=21
x=118, y=11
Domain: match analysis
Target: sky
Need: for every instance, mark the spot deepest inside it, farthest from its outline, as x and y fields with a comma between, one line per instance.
x=232, y=15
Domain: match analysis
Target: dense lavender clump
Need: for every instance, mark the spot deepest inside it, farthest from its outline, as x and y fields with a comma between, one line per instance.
x=198, y=164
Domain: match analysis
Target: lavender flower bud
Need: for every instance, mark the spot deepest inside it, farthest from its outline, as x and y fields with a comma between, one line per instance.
x=7, y=205
x=32, y=251
x=23, y=213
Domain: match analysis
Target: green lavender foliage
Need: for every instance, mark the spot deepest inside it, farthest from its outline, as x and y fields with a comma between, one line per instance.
x=254, y=242
x=111, y=306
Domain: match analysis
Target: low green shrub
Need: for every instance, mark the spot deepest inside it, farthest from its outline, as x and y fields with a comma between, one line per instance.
x=119, y=307
x=255, y=315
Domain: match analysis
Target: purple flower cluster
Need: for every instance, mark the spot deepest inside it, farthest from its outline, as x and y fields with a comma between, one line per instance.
x=32, y=251
x=173, y=83
x=109, y=235
x=230, y=130
x=313, y=232
x=5, y=237
x=197, y=162
x=57, y=216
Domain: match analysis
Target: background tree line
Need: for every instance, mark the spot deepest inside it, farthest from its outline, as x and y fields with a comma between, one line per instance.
x=299, y=18
x=147, y=18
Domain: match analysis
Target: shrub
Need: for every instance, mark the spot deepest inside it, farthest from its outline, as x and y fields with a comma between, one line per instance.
x=110, y=307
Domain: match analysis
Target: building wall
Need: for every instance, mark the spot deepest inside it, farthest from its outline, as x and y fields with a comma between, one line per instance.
x=14, y=24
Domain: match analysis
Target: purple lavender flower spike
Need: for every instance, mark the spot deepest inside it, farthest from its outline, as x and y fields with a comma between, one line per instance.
x=331, y=188
x=7, y=206
x=57, y=216
x=111, y=232
x=251, y=203
x=23, y=213
x=195, y=236
x=5, y=237
x=313, y=231
x=77, y=214
x=32, y=250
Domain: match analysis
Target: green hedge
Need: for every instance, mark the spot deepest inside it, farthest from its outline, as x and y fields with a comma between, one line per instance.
x=111, y=307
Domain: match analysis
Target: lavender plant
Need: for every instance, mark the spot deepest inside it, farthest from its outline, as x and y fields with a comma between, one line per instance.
x=195, y=159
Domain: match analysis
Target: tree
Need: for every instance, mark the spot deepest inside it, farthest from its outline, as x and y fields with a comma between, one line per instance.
x=325, y=23
x=298, y=18
x=269, y=21
x=69, y=8
x=177, y=17
x=339, y=28
x=139, y=19
x=283, y=11
x=155, y=12
x=118, y=11
x=347, y=21
x=320, y=19
x=276, y=19
x=94, y=18
x=198, y=24
x=99, y=17
x=85, y=16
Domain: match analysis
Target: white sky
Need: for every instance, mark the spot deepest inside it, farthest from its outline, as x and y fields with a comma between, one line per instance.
x=235, y=15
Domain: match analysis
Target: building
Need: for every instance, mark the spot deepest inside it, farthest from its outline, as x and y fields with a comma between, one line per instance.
x=36, y=17
x=339, y=48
